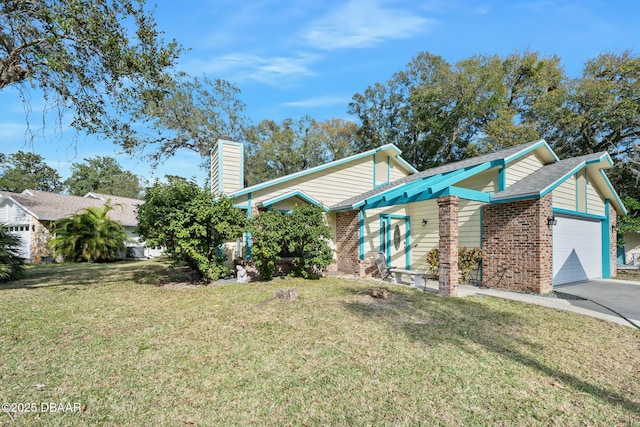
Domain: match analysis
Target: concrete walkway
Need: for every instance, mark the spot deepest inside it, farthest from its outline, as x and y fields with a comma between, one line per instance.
x=581, y=306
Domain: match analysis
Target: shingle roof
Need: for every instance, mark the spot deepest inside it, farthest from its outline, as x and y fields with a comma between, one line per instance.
x=52, y=206
x=544, y=178
x=450, y=167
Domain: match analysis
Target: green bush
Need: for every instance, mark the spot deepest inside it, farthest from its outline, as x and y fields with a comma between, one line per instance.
x=302, y=235
x=11, y=264
x=468, y=260
x=89, y=236
x=191, y=224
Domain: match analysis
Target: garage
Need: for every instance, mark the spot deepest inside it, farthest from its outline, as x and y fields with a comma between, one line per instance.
x=24, y=233
x=577, y=249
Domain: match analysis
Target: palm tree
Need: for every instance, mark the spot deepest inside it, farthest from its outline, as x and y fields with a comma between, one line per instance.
x=89, y=236
x=11, y=264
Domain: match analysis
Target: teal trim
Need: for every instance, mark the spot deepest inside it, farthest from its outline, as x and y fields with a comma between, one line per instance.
x=502, y=178
x=361, y=237
x=407, y=245
x=375, y=168
x=604, y=156
x=388, y=169
x=406, y=164
x=383, y=235
x=296, y=193
x=578, y=214
x=575, y=178
x=606, y=241
x=561, y=180
x=459, y=175
x=613, y=191
x=319, y=169
x=248, y=232
x=465, y=193
x=541, y=143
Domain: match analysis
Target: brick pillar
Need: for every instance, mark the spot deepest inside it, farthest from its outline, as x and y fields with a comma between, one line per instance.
x=613, y=242
x=448, y=221
x=348, y=242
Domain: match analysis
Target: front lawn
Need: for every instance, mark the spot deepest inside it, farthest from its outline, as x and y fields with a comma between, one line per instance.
x=129, y=351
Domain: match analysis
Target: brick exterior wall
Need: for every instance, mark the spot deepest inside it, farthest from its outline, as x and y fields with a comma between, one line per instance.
x=448, y=245
x=518, y=246
x=613, y=242
x=348, y=242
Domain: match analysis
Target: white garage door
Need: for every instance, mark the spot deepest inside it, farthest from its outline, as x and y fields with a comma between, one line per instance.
x=577, y=250
x=22, y=231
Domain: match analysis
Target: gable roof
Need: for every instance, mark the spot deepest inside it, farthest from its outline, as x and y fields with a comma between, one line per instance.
x=47, y=206
x=301, y=195
x=496, y=158
x=390, y=148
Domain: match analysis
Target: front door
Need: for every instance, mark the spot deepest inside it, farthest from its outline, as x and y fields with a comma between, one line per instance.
x=395, y=240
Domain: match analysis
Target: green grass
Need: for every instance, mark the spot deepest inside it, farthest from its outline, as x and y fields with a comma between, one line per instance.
x=133, y=352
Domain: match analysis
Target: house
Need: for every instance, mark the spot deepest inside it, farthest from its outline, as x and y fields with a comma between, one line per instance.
x=540, y=221
x=630, y=254
x=30, y=214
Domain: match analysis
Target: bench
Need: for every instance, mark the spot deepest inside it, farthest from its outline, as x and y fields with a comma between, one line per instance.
x=417, y=276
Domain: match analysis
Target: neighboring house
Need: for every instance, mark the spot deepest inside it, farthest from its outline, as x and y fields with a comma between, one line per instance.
x=541, y=221
x=30, y=214
x=630, y=253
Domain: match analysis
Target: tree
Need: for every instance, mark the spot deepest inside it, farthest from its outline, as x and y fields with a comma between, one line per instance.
x=437, y=113
x=21, y=171
x=191, y=224
x=11, y=264
x=102, y=59
x=89, y=236
x=275, y=150
x=102, y=175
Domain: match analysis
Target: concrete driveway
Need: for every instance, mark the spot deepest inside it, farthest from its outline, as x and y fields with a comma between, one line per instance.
x=619, y=297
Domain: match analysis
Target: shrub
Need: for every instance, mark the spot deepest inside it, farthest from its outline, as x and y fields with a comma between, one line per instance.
x=11, y=264
x=468, y=260
x=302, y=234
x=191, y=224
x=89, y=236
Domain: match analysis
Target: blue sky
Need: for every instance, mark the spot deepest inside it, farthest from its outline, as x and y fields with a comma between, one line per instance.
x=292, y=58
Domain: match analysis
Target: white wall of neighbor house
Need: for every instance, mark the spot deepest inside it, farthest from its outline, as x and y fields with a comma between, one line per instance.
x=632, y=247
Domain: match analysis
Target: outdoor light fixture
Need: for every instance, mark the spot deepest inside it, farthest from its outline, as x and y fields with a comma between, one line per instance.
x=424, y=222
x=551, y=220
x=614, y=227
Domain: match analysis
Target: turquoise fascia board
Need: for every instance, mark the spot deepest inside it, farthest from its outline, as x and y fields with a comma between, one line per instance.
x=541, y=143
x=325, y=166
x=465, y=193
x=562, y=179
x=361, y=232
x=606, y=236
x=604, y=156
x=614, y=192
x=407, y=246
x=297, y=193
x=459, y=175
x=406, y=164
x=517, y=199
x=502, y=178
x=577, y=214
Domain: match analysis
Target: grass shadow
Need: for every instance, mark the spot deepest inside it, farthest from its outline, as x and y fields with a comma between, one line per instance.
x=469, y=324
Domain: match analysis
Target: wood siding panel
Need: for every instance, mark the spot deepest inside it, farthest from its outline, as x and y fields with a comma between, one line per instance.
x=581, y=191
x=231, y=168
x=522, y=168
x=595, y=204
x=469, y=223
x=327, y=186
x=423, y=238
x=564, y=196
x=486, y=181
x=215, y=177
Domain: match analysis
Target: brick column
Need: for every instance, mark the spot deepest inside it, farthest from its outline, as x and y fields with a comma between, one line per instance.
x=348, y=242
x=448, y=220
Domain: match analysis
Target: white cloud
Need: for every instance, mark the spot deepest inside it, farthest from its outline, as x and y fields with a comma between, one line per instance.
x=364, y=23
x=273, y=70
x=321, y=101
